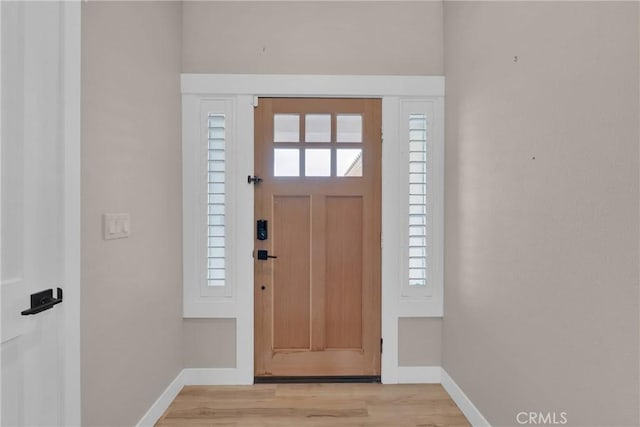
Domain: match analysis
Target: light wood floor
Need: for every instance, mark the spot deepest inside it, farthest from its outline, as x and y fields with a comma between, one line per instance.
x=314, y=405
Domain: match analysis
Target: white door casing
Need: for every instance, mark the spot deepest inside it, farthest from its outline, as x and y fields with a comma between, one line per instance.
x=40, y=211
x=397, y=92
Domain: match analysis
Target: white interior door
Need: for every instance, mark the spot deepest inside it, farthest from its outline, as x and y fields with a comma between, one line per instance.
x=34, y=210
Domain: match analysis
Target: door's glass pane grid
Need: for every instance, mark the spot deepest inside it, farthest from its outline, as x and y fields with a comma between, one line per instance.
x=286, y=128
x=349, y=128
x=215, y=200
x=317, y=162
x=349, y=162
x=418, y=200
x=286, y=162
x=317, y=128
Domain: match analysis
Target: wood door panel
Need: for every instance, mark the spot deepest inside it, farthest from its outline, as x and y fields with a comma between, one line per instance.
x=291, y=283
x=325, y=363
x=317, y=306
x=343, y=318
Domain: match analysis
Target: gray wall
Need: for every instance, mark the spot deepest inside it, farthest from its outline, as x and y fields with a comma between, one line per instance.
x=209, y=343
x=419, y=341
x=541, y=297
x=312, y=38
x=131, y=288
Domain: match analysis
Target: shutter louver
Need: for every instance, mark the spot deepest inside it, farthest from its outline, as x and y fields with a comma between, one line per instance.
x=418, y=200
x=215, y=200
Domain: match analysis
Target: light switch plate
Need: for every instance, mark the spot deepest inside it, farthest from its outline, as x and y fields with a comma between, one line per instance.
x=116, y=226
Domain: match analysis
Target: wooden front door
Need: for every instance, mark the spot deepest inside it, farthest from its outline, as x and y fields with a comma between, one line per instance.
x=317, y=305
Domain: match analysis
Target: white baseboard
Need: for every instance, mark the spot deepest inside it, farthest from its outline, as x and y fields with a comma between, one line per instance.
x=467, y=407
x=162, y=403
x=419, y=374
x=212, y=376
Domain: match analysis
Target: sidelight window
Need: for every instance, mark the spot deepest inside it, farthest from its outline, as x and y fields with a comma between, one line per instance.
x=421, y=163
x=215, y=199
x=208, y=215
x=419, y=200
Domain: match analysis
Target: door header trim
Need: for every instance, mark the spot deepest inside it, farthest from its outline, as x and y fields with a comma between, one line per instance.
x=347, y=86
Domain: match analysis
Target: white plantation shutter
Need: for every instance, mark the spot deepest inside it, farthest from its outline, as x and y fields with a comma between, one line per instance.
x=208, y=221
x=216, y=199
x=217, y=234
x=422, y=161
x=419, y=201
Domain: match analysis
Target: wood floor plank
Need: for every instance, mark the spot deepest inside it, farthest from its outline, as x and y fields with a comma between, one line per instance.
x=313, y=405
x=268, y=407
x=208, y=393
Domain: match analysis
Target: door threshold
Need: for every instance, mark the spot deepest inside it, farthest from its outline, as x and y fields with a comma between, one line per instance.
x=359, y=379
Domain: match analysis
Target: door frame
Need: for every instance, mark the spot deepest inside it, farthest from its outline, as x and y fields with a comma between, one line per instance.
x=327, y=351
x=244, y=90
x=71, y=129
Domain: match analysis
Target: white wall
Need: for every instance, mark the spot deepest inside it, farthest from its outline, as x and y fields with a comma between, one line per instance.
x=541, y=292
x=131, y=288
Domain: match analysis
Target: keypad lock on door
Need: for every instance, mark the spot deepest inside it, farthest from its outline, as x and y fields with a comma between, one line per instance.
x=261, y=229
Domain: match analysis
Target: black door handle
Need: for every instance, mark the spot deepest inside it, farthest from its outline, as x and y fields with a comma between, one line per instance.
x=263, y=255
x=43, y=300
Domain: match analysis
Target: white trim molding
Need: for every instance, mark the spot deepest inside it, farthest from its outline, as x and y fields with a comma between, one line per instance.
x=1, y=114
x=395, y=211
x=470, y=411
x=236, y=299
x=399, y=94
x=312, y=85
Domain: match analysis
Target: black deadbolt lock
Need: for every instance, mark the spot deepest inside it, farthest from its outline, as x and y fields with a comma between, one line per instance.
x=261, y=230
